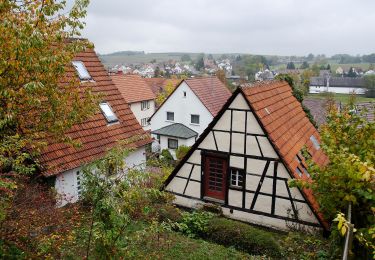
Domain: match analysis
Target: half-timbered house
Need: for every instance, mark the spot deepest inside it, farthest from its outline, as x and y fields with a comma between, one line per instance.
x=246, y=156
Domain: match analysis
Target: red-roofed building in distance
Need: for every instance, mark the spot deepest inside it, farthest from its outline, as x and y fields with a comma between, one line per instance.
x=187, y=111
x=138, y=96
x=246, y=156
x=157, y=85
x=114, y=122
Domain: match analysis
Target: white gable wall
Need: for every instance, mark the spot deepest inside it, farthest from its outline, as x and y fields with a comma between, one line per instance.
x=260, y=161
x=140, y=114
x=183, y=108
x=66, y=183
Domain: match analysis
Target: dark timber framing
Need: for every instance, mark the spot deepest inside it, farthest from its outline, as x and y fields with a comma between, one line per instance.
x=243, y=189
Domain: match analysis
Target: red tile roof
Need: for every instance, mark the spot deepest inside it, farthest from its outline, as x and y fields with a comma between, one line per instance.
x=211, y=92
x=132, y=87
x=158, y=84
x=287, y=125
x=95, y=135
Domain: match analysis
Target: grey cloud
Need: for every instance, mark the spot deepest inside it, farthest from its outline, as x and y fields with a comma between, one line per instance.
x=290, y=27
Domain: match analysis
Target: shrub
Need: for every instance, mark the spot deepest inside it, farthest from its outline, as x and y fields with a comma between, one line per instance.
x=242, y=236
x=195, y=223
x=166, y=157
x=182, y=151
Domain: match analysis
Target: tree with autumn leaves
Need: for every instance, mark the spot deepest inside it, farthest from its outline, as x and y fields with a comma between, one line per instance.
x=38, y=99
x=348, y=139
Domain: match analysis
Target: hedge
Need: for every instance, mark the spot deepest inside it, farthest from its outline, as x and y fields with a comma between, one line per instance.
x=242, y=236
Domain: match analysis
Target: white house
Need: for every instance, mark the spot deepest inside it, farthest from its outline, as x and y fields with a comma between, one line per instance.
x=138, y=95
x=244, y=159
x=193, y=104
x=113, y=122
x=339, y=85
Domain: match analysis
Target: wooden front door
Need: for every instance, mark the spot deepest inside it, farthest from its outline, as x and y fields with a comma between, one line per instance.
x=215, y=176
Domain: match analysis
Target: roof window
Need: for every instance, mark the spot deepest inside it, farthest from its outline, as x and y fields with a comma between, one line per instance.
x=315, y=142
x=81, y=70
x=108, y=112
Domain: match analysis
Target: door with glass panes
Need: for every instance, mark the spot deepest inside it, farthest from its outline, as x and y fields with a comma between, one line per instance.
x=215, y=176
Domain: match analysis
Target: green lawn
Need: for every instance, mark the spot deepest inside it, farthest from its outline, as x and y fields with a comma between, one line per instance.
x=344, y=98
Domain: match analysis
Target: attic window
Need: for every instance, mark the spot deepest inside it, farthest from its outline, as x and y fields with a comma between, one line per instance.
x=315, y=142
x=108, y=113
x=81, y=70
x=184, y=94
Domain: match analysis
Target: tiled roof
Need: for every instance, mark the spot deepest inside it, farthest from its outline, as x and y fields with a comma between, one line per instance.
x=286, y=124
x=176, y=130
x=132, y=87
x=211, y=92
x=347, y=82
x=158, y=84
x=318, y=81
x=318, y=109
x=366, y=110
x=95, y=135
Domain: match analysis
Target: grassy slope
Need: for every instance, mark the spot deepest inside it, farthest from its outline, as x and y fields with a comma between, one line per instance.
x=344, y=98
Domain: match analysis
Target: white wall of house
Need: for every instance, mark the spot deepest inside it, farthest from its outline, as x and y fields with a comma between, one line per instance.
x=164, y=143
x=183, y=107
x=249, y=150
x=67, y=183
x=144, y=114
x=338, y=90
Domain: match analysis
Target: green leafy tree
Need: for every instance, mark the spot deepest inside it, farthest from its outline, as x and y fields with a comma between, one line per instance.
x=348, y=140
x=290, y=66
x=199, y=64
x=304, y=65
x=352, y=73
x=185, y=58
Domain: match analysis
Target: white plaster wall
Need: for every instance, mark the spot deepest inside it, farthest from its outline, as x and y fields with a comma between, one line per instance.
x=140, y=114
x=66, y=182
x=66, y=187
x=183, y=108
x=338, y=90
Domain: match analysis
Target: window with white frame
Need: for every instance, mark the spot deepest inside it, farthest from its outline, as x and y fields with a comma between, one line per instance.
x=236, y=177
x=144, y=121
x=108, y=112
x=184, y=94
x=172, y=143
x=81, y=70
x=145, y=105
x=170, y=116
x=194, y=119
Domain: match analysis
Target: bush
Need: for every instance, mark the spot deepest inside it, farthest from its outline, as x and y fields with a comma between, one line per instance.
x=195, y=223
x=182, y=151
x=242, y=236
x=166, y=157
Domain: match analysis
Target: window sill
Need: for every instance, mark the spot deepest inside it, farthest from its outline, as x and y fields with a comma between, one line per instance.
x=169, y=121
x=194, y=124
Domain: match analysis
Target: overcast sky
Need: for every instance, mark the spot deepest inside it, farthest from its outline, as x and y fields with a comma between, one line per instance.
x=282, y=27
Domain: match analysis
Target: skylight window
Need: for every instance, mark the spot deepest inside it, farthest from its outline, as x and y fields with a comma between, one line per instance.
x=108, y=113
x=81, y=70
x=315, y=142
